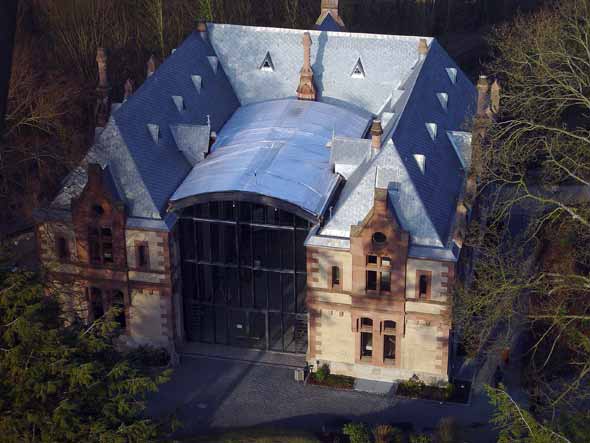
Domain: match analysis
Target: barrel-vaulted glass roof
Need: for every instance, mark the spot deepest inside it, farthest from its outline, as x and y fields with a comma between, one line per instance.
x=275, y=149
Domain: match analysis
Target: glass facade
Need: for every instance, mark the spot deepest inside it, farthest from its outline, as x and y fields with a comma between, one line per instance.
x=244, y=275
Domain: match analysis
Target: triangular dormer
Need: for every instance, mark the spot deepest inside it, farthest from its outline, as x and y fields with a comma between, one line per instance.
x=267, y=64
x=358, y=70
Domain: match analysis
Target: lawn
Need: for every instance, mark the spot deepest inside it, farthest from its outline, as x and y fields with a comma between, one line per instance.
x=254, y=436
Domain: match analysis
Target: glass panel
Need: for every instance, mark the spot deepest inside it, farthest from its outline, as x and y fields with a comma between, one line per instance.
x=188, y=280
x=372, y=280
x=275, y=331
x=187, y=243
x=371, y=259
x=203, y=242
x=219, y=285
x=258, y=213
x=301, y=292
x=385, y=262
x=208, y=324
x=221, y=326
x=228, y=244
x=423, y=286
x=107, y=252
x=227, y=210
x=389, y=347
x=246, y=288
x=214, y=210
x=238, y=328
x=260, y=289
x=215, y=243
x=286, y=249
x=288, y=293
x=259, y=241
x=257, y=332
x=286, y=218
x=300, y=237
x=245, y=212
x=232, y=285
x=274, y=295
x=274, y=249
x=205, y=276
x=202, y=211
x=385, y=281
x=245, y=245
x=366, y=322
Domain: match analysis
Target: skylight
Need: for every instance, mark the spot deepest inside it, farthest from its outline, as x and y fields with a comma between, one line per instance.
x=214, y=62
x=443, y=98
x=198, y=82
x=359, y=70
x=432, y=130
x=421, y=161
x=267, y=64
x=178, y=102
x=154, y=131
x=452, y=73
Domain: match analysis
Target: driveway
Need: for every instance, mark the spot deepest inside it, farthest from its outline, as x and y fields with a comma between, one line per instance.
x=212, y=393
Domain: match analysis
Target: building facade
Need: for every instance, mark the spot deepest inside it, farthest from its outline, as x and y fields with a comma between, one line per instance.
x=283, y=190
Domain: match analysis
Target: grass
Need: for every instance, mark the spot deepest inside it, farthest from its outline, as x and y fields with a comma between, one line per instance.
x=255, y=436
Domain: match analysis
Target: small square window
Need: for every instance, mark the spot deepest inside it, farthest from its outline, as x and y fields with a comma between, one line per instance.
x=386, y=262
x=372, y=260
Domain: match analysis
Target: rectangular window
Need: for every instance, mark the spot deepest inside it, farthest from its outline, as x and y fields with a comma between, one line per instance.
x=389, y=348
x=142, y=257
x=100, y=244
x=386, y=262
x=371, y=280
x=371, y=259
x=335, y=277
x=423, y=284
x=63, y=251
x=366, y=345
x=385, y=283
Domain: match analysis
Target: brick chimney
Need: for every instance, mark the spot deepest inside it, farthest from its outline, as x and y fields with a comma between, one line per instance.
x=331, y=7
x=422, y=49
x=151, y=65
x=129, y=87
x=306, y=89
x=376, y=134
x=483, y=88
x=103, y=101
x=495, y=97
x=202, y=28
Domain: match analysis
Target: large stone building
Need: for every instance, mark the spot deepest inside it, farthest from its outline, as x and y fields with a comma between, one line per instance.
x=277, y=189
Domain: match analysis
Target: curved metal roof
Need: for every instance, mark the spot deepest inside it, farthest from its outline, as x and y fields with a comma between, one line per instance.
x=275, y=149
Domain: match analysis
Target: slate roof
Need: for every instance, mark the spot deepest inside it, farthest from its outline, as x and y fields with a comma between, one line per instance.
x=424, y=202
x=276, y=149
x=387, y=61
x=147, y=173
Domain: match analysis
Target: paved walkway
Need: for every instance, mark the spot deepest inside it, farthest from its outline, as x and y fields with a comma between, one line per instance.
x=210, y=393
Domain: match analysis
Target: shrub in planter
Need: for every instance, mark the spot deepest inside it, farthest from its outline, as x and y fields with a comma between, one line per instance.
x=413, y=387
x=322, y=373
x=357, y=432
x=387, y=434
x=420, y=438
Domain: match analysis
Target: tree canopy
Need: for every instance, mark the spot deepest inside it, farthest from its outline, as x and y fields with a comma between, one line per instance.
x=66, y=383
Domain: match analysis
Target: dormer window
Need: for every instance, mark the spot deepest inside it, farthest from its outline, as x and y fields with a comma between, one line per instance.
x=267, y=64
x=432, y=130
x=443, y=98
x=421, y=161
x=359, y=70
x=452, y=73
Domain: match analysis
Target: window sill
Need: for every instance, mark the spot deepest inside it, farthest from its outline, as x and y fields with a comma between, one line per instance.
x=366, y=359
x=389, y=362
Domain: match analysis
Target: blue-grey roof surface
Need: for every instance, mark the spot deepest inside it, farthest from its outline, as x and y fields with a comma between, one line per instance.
x=424, y=202
x=162, y=166
x=277, y=149
x=387, y=61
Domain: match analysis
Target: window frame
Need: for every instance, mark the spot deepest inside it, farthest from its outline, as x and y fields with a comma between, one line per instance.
x=99, y=240
x=139, y=246
x=375, y=264
x=428, y=294
x=335, y=277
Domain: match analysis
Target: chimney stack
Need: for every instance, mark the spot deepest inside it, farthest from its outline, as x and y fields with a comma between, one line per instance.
x=103, y=103
x=331, y=7
x=202, y=28
x=422, y=49
x=376, y=134
x=495, y=97
x=151, y=65
x=483, y=88
x=306, y=89
x=129, y=87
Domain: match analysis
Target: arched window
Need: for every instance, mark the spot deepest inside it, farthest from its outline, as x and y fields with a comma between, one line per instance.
x=366, y=323
x=389, y=325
